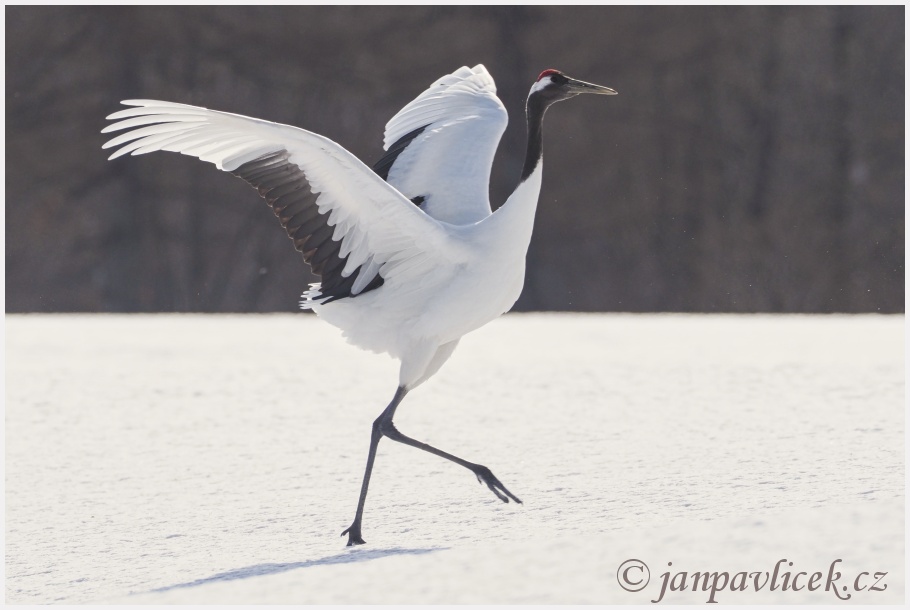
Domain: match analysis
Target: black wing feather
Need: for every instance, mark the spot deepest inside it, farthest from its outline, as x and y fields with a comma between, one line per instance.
x=286, y=189
x=384, y=165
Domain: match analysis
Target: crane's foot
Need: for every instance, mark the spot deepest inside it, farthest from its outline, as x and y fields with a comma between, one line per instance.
x=353, y=533
x=484, y=476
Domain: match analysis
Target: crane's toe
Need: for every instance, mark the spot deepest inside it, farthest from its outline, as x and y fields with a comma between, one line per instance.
x=485, y=476
x=354, y=537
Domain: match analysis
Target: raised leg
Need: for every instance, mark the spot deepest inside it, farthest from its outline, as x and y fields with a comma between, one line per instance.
x=482, y=473
x=383, y=426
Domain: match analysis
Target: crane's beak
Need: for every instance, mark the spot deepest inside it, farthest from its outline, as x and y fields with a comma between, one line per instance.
x=580, y=86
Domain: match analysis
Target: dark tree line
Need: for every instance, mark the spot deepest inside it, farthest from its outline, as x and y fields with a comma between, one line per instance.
x=753, y=161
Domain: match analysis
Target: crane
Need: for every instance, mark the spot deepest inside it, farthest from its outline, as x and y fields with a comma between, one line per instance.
x=410, y=254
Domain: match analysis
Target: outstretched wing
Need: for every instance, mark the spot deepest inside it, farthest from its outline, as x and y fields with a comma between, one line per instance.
x=440, y=147
x=353, y=229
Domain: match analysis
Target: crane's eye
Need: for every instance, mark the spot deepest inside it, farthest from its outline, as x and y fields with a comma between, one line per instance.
x=558, y=79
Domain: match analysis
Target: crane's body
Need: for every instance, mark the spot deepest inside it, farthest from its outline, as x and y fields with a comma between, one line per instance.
x=410, y=254
x=418, y=321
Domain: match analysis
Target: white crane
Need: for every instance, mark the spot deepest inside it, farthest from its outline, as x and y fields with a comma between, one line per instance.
x=410, y=254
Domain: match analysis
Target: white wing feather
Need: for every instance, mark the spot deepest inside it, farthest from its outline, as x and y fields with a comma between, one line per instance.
x=449, y=163
x=378, y=226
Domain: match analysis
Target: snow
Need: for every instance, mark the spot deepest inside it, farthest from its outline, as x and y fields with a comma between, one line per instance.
x=216, y=459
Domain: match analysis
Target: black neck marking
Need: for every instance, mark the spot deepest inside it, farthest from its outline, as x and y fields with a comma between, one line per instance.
x=537, y=106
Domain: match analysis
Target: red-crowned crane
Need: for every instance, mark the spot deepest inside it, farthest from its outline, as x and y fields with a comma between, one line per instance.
x=410, y=254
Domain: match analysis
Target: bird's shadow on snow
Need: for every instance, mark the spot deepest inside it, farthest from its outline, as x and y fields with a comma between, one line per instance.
x=265, y=569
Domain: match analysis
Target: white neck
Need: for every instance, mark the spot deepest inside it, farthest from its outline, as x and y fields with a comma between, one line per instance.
x=514, y=221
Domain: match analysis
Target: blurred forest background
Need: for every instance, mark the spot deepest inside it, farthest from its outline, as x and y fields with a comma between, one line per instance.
x=752, y=161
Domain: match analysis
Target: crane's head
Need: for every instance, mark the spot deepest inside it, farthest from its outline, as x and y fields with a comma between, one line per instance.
x=554, y=86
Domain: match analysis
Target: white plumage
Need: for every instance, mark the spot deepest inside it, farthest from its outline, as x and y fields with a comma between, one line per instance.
x=409, y=264
x=452, y=158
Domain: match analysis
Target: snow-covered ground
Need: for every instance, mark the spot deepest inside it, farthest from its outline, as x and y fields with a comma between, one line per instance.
x=202, y=459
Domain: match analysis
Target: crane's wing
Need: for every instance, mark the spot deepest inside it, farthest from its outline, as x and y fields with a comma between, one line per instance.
x=440, y=146
x=353, y=229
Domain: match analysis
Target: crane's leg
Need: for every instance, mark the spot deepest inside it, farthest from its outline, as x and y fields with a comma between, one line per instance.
x=353, y=532
x=482, y=473
x=383, y=426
